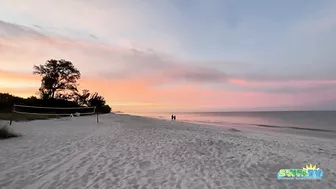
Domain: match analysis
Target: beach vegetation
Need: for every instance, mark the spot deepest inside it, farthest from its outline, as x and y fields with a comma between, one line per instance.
x=59, y=88
x=6, y=132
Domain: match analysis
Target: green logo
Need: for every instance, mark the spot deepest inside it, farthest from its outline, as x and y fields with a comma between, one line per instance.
x=309, y=172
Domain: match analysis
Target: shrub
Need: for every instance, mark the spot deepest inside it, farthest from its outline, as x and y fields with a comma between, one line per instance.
x=6, y=132
x=104, y=109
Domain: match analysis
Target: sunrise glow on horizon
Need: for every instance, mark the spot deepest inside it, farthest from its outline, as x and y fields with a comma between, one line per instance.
x=170, y=55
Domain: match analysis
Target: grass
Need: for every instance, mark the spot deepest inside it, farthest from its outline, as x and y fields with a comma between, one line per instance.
x=6, y=132
x=21, y=117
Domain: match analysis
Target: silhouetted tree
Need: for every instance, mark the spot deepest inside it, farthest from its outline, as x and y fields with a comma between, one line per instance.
x=105, y=109
x=65, y=96
x=82, y=98
x=58, y=89
x=96, y=100
x=58, y=76
x=88, y=99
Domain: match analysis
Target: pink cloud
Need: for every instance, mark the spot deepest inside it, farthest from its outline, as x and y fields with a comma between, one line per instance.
x=130, y=79
x=138, y=95
x=280, y=83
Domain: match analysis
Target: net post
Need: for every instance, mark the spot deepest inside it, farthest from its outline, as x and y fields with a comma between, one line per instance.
x=97, y=114
x=11, y=116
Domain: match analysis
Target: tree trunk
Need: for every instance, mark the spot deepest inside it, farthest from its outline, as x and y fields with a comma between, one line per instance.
x=52, y=93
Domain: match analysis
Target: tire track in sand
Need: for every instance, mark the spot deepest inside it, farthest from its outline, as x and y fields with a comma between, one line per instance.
x=75, y=159
x=52, y=152
x=32, y=170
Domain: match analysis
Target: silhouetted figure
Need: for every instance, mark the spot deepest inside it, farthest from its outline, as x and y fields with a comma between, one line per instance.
x=172, y=117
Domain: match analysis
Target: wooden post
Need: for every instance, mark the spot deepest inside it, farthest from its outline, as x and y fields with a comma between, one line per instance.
x=11, y=116
x=97, y=118
x=11, y=119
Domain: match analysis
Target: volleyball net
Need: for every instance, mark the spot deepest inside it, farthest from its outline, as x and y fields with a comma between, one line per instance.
x=53, y=111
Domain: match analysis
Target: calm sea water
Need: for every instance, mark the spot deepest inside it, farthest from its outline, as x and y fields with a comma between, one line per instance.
x=292, y=121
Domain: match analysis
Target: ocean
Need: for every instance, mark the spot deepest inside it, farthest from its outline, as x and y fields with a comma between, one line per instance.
x=316, y=123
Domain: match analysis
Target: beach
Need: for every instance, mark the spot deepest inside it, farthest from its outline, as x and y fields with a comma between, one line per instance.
x=124, y=151
x=307, y=123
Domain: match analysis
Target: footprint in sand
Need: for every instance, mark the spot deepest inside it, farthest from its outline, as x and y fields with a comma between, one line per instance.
x=144, y=165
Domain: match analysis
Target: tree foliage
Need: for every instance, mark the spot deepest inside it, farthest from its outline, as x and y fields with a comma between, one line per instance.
x=58, y=89
x=58, y=77
x=92, y=99
x=82, y=98
x=97, y=100
x=86, y=98
x=7, y=101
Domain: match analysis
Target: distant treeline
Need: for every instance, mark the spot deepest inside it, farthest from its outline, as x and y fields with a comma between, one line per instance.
x=7, y=102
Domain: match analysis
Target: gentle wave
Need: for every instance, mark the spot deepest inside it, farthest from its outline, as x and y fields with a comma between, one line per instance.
x=297, y=128
x=260, y=125
x=312, y=121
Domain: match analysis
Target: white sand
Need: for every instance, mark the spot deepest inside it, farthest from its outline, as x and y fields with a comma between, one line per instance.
x=135, y=152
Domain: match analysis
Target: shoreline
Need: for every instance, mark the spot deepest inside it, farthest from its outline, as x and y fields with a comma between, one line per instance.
x=255, y=128
x=125, y=151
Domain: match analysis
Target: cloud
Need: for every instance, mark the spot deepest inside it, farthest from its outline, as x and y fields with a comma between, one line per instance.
x=301, y=89
x=136, y=95
x=115, y=62
x=137, y=77
x=16, y=30
x=114, y=22
x=19, y=76
x=22, y=91
x=95, y=57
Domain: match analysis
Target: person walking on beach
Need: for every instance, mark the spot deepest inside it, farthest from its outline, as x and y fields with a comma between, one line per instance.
x=172, y=117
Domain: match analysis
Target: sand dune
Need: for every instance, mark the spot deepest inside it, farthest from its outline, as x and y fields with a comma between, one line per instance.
x=125, y=151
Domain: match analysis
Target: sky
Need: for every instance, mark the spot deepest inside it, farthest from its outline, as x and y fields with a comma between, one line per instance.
x=174, y=55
